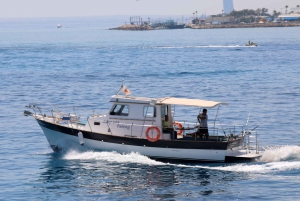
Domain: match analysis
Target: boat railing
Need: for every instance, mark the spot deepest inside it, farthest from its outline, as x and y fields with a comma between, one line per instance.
x=74, y=121
x=44, y=109
x=250, y=137
x=250, y=143
x=217, y=130
x=74, y=114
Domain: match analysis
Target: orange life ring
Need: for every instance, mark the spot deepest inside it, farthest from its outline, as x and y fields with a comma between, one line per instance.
x=178, y=126
x=151, y=139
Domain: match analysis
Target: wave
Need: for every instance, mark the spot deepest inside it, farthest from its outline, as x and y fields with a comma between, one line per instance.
x=194, y=73
x=280, y=153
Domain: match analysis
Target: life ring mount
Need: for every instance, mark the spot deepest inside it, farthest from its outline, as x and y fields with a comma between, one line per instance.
x=152, y=138
x=178, y=127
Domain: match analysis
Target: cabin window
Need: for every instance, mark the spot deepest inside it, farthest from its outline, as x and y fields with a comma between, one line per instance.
x=97, y=123
x=149, y=111
x=121, y=110
x=164, y=111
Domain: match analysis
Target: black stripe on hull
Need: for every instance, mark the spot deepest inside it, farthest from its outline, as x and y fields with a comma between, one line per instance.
x=232, y=159
x=176, y=144
x=185, y=161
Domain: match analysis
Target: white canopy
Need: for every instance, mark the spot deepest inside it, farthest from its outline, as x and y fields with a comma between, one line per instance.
x=167, y=101
x=189, y=102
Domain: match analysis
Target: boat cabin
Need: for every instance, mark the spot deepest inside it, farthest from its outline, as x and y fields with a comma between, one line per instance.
x=142, y=117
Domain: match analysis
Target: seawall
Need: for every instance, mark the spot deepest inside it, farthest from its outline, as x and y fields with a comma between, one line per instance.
x=130, y=27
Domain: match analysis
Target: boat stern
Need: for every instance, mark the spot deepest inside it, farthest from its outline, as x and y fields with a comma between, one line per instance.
x=239, y=149
x=241, y=156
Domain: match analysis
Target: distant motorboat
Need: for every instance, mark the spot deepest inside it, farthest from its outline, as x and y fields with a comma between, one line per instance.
x=58, y=26
x=251, y=44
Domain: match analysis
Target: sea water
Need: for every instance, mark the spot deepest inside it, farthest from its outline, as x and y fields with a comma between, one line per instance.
x=83, y=63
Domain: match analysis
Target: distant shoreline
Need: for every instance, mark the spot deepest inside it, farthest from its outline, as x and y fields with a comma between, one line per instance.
x=129, y=27
x=256, y=25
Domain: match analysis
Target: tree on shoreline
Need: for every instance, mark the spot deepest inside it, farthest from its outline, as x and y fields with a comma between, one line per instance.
x=264, y=11
x=275, y=14
x=247, y=12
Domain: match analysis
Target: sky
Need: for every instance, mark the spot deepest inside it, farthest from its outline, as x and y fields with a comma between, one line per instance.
x=78, y=8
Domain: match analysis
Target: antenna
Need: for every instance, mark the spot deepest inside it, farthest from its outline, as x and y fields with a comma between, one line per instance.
x=131, y=77
x=121, y=88
x=248, y=119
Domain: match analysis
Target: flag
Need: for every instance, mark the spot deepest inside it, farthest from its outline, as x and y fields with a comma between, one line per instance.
x=126, y=90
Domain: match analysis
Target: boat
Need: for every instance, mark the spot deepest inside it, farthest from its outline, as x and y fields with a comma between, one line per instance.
x=59, y=26
x=135, y=124
x=251, y=44
x=169, y=24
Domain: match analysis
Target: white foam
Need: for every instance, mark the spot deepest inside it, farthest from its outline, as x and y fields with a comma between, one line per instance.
x=274, y=159
x=260, y=168
x=110, y=156
x=199, y=46
x=219, y=46
x=281, y=154
x=44, y=152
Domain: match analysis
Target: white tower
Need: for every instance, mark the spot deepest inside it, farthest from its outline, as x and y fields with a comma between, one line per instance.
x=227, y=6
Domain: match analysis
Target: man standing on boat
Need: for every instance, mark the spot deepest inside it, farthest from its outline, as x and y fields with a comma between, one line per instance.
x=168, y=129
x=202, y=119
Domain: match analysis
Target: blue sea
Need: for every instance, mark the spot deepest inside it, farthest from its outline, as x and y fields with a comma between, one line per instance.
x=83, y=64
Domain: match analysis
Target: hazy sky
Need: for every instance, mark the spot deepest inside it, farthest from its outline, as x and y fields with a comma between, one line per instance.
x=67, y=8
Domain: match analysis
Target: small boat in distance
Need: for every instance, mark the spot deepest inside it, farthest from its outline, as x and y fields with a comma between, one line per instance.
x=169, y=24
x=137, y=124
x=59, y=26
x=251, y=43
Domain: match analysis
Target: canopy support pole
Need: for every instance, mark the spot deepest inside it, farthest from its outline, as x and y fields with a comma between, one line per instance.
x=216, y=119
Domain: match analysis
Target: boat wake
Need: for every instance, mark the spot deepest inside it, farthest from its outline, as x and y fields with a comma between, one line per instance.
x=281, y=153
x=198, y=46
x=274, y=159
x=260, y=167
x=110, y=157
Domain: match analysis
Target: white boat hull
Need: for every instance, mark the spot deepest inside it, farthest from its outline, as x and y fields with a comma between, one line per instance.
x=60, y=140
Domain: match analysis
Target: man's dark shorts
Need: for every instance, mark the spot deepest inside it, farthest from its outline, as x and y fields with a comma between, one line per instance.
x=202, y=131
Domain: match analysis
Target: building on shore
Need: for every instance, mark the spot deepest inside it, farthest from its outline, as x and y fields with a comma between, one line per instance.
x=227, y=6
x=198, y=21
x=137, y=20
x=291, y=17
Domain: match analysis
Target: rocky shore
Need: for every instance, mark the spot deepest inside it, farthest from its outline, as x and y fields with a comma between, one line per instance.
x=130, y=27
